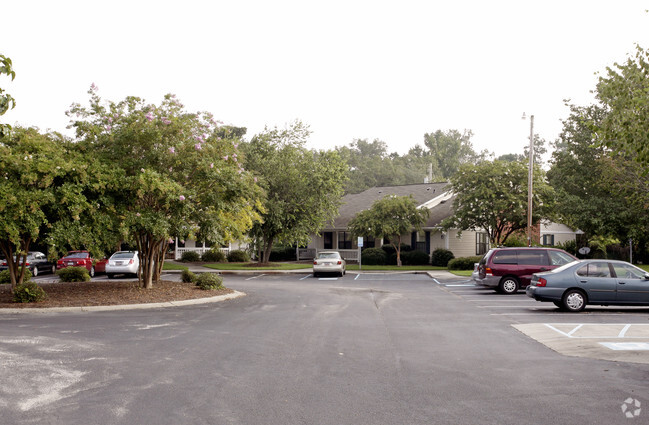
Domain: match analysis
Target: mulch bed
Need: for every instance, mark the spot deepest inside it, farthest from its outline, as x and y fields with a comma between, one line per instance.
x=112, y=292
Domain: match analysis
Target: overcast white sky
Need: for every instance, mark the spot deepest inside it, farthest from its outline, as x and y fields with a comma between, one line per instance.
x=391, y=70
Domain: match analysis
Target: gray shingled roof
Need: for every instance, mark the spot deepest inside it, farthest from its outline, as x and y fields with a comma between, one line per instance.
x=423, y=192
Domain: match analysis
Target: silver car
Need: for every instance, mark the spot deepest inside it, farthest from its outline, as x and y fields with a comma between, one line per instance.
x=329, y=262
x=123, y=262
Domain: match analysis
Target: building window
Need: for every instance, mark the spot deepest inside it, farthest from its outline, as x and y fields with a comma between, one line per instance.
x=369, y=242
x=548, y=240
x=328, y=239
x=344, y=240
x=481, y=243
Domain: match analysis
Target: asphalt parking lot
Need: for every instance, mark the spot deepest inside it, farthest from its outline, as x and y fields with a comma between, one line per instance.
x=364, y=349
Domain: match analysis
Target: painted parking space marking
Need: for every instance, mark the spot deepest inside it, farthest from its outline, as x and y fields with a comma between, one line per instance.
x=255, y=277
x=626, y=346
x=601, y=330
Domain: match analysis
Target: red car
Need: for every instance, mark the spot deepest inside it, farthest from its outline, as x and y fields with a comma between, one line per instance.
x=82, y=259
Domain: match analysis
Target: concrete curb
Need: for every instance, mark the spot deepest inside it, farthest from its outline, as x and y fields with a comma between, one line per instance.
x=193, y=301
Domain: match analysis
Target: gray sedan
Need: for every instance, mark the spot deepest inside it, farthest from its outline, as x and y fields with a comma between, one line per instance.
x=604, y=282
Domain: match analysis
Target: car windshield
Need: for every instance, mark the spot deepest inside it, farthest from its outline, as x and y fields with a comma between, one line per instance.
x=77, y=255
x=328, y=255
x=118, y=255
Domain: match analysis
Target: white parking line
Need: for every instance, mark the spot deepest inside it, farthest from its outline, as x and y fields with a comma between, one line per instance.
x=593, y=330
x=255, y=277
x=306, y=277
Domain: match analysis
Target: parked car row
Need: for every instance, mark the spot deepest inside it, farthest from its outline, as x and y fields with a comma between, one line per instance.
x=553, y=275
x=120, y=263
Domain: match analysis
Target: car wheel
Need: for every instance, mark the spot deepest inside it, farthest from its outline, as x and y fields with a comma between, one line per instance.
x=574, y=300
x=558, y=304
x=92, y=271
x=508, y=285
x=110, y=275
x=35, y=272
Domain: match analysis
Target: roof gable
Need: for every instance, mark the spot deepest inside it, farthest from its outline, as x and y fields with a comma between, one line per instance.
x=434, y=196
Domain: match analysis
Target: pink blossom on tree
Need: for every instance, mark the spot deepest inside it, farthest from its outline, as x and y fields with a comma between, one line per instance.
x=149, y=116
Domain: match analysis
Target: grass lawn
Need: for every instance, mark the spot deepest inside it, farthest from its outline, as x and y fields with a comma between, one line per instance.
x=172, y=266
x=250, y=266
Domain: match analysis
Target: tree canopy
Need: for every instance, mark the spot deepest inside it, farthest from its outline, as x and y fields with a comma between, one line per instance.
x=43, y=187
x=303, y=187
x=390, y=217
x=177, y=173
x=493, y=196
x=623, y=93
x=6, y=100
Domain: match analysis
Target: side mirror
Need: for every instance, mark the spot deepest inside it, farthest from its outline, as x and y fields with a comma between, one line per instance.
x=646, y=276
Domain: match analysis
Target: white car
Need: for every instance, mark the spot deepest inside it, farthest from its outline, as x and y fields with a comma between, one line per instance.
x=123, y=262
x=329, y=262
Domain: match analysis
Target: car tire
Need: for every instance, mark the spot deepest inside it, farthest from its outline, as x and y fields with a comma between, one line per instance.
x=315, y=274
x=558, y=304
x=574, y=300
x=35, y=272
x=92, y=271
x=110, y=275
x=508, y=285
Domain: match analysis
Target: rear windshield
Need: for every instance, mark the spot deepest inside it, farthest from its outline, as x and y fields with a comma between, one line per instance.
x=123, y=255
x=328, y=255
x=77, y=255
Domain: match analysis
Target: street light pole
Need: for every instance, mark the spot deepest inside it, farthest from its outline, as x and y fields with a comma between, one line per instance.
x=529, y=181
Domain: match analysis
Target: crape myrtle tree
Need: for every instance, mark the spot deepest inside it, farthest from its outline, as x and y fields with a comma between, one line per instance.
x=180, y=174
x=303, y=187
x=493, y=196
x=44, y=187
x=390, y=217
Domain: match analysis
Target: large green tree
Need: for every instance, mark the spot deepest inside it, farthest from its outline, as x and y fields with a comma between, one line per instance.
x=44, y=185
x=599, y=191
x=303, y=187
x=390, y=217
x=6, y=100
x=624, y=94
x=492, y=196
x=449, y=150
x=179, y=174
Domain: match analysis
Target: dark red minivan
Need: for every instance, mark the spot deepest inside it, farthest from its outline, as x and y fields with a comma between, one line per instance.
x=509, y=269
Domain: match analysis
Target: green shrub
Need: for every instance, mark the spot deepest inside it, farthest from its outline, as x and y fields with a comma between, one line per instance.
x=389, y=249
x=570, y=246
x=516, y=240
x=214, y=256
x=29, y=292
x=5, y=276
x=188, y=277
x=441, y=257
x=283, y=254
x=190, y=257
x=238, y=256
x=73, y=274
x=373, y=257
x=415, y=258
x=463, y=263
x=209, y=281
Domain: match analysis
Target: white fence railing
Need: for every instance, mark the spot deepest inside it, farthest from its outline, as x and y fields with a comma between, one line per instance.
x=200, y=250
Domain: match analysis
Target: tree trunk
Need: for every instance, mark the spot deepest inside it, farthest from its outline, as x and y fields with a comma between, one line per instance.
x=268, y=245
x=148, y=248
x=16, y=273
x=397, y=248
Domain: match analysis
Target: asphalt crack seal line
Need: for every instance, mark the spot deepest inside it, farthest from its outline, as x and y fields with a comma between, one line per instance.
x=586, y=340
